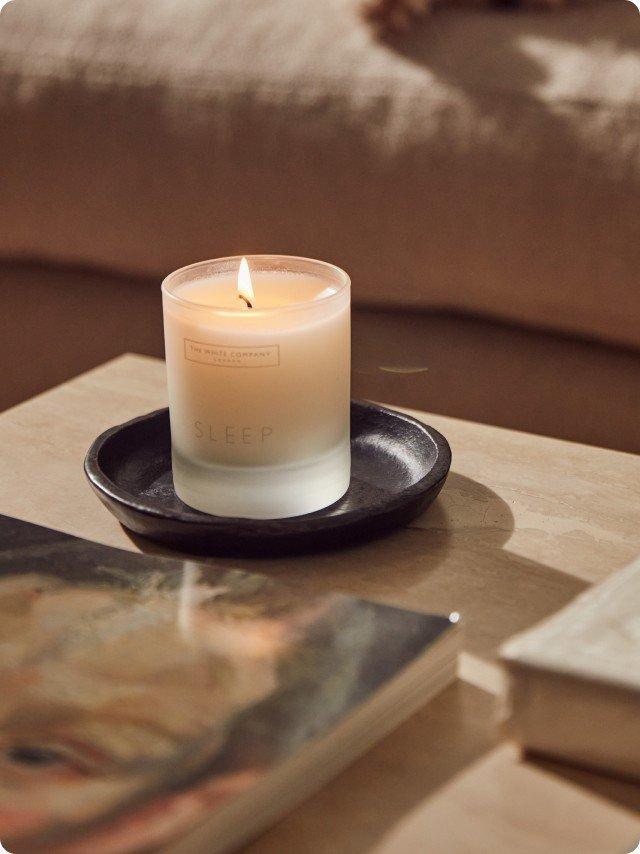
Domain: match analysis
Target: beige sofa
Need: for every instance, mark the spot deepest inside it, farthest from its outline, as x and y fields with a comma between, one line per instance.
x=479, y=178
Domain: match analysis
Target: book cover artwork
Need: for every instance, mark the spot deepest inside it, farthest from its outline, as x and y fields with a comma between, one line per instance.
x=140, y=694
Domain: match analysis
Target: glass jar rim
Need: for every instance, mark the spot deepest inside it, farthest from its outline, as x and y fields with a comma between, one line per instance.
x=343, y=282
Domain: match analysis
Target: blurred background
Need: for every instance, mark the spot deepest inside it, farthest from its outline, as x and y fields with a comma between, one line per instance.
x=477, y=175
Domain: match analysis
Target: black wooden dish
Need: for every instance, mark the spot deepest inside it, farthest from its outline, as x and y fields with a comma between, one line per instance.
x=399, y=466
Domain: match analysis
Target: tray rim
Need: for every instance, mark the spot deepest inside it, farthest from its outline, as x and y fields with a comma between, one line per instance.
x=106, y=488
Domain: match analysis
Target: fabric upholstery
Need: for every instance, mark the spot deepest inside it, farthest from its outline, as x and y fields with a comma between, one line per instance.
x=58, y=323
x=488, y=162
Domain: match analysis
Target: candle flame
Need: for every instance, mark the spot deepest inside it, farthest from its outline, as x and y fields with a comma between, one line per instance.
x=245, y=286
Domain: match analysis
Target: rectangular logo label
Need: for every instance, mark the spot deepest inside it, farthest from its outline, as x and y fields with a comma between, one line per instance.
x=223, y=356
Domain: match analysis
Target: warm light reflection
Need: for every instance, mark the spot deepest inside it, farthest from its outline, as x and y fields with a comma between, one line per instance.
x=245, y=286
x=187, y=601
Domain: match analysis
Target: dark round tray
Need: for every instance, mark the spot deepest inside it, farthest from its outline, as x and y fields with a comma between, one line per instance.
x=399, y=466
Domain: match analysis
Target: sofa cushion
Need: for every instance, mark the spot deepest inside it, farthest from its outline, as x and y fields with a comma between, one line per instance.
x=488, y=162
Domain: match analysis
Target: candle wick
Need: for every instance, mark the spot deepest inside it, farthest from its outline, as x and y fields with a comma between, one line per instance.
x=243, y=297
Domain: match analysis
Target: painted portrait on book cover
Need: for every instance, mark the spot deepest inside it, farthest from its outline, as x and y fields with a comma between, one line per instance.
x=137, y=698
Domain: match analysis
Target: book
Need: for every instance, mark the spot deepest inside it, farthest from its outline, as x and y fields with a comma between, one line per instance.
x=149, y=703
x=574, y=680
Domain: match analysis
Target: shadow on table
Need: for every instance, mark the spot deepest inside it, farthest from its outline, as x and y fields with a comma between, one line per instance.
x=624, y=793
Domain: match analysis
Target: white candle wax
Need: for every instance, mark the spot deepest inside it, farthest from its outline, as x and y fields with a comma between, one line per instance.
x=259, y=397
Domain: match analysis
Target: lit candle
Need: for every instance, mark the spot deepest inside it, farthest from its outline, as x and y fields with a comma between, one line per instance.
x=258, y=368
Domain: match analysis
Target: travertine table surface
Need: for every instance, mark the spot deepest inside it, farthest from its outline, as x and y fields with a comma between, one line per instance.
x=522, y=525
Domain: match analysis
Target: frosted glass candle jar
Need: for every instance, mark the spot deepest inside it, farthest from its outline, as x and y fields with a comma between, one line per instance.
x=258, y=368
